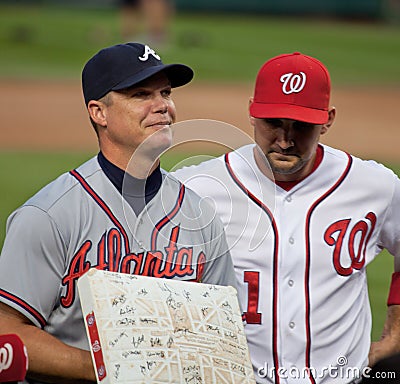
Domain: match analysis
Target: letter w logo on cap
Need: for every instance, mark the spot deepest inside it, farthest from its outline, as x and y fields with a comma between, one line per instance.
x=148, y=51
x=293, y=83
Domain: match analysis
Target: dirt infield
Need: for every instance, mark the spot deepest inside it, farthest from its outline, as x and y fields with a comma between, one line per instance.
x=51, y=116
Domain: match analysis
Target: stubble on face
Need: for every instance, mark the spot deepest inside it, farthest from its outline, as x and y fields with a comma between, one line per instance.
x=284, y=164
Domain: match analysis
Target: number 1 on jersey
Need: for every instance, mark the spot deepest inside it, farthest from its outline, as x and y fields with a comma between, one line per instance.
x=253, y=282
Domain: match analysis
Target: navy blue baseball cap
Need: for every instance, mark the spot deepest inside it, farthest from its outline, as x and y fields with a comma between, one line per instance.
x=123, y=65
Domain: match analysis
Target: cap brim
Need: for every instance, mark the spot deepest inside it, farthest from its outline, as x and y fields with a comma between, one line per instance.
x=288, y=111
x=178, y=75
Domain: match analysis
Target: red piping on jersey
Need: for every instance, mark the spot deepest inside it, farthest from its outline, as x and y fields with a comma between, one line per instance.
x=41, y=320
x=102, y=205
x=165, y=220
x=275, y=267
x=308, y=257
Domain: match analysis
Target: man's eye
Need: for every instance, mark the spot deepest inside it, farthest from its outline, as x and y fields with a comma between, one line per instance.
x=274, y=122
x=166, y=92
x=302, y=126
x=139, y=94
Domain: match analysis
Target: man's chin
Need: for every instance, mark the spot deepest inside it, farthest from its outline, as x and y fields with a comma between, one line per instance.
x=285, y=167
x=159, y=140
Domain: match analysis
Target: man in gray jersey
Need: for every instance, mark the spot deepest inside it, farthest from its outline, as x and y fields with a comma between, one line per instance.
x=119, y=211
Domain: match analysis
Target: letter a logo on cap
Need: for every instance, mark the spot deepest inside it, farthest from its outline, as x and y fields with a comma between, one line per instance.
x=293, y=83
x=148, y=51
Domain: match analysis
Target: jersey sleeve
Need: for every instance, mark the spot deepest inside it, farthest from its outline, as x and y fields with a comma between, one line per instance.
x=219, y=266
x=390, y=233
x=31, y=264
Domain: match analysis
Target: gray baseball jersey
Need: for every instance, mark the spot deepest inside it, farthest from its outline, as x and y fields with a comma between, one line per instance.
x=80, y=221
x=300, y=256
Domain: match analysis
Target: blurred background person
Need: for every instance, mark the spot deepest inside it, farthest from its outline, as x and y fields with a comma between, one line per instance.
x=146, y=20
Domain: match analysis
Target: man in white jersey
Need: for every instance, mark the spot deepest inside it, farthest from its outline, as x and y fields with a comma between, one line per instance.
x=303, y=221
x=99, y=216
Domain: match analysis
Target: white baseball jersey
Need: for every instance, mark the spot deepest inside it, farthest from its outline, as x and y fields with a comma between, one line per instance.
x=80, y=221
x=300, y=258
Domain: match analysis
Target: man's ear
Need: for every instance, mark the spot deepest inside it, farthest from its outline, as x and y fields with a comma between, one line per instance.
x=98, y=112
x=331, y=119
x=251, y=118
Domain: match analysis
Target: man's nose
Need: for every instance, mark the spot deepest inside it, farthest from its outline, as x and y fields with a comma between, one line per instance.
x=284, y=139
x=160, y=104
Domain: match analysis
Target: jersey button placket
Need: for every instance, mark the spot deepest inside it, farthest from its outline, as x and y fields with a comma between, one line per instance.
x=138, y=231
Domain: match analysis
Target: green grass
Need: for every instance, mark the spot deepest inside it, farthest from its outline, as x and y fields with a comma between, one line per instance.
x=53, y=42
x=22, y=174
x=379, y=274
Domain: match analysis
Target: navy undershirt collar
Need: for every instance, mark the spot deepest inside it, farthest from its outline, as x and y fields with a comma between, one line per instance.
x=138, y=192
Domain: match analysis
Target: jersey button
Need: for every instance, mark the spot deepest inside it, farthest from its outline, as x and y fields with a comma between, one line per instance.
x=289, y=199
x=291, y=240
x=290, y=283
x=292, y=324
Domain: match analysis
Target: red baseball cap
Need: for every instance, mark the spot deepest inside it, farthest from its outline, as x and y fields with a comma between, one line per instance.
x=292, y=86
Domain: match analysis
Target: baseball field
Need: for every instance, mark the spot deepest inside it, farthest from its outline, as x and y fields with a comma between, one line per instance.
x=45, y=130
